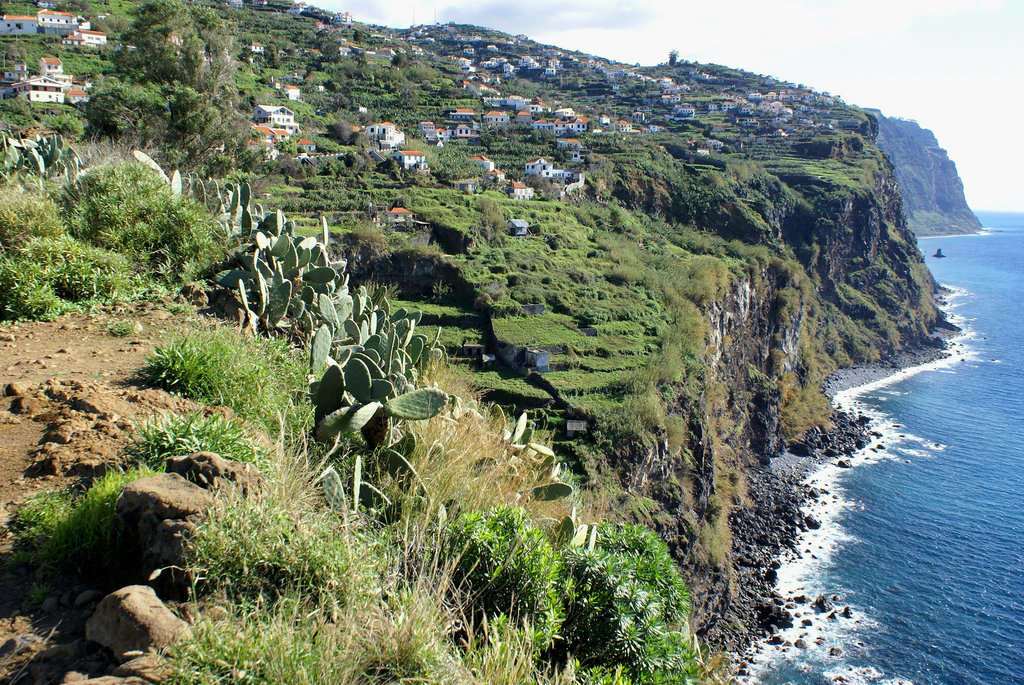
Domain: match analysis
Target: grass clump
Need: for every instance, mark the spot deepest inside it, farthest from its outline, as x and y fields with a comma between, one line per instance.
x=121, y=328
x=46, y=277
x=258, y=378
x=62, y=530
x=127, y=207
x=24, y=215
x=173, y=436
x=269, y=546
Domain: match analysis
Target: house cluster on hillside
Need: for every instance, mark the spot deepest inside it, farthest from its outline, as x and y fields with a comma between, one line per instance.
x=51, y=85
x=76, y=30
x=272, y=124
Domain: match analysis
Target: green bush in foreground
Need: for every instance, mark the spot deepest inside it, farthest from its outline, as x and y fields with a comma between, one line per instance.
x=63, y=531
x=627, y=605
x=46, y=277
x=174, y=436
x=129, y=208
x=507, y=568
x=255, y=377
x=24, y=215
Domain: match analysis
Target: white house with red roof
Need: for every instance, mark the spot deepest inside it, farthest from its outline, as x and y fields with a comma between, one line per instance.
x=18, y=25
x=483, y=161
x=307, y=145
x=275, y=117
x=385, y=134
x=85, y=39
x=519, y=191
x=411, y=159
x=75, y=95
x=461, y=114
x=292, y=93
x=399, y=215
x=51, y=21
x=497, y=118
x=538, y=167
x=52, y=68
x=41, y=89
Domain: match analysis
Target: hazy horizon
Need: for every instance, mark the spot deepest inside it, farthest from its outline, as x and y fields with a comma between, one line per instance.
x=950, y=65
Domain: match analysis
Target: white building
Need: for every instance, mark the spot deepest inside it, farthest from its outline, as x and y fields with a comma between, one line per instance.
x=538, y=167
x=40, y=89
x=85, y=39
x=411, y=159
x=18, y=25
x=385, y=134
x=275, y=117
x=51, y=21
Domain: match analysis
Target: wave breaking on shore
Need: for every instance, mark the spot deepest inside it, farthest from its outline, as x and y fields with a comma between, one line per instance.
x=824, y=628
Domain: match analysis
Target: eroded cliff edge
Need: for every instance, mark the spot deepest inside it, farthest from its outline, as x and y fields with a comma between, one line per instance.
x=933, y=194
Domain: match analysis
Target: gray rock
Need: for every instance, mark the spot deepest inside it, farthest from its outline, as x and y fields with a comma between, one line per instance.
x=134, y=619
x=210, y=470
x=50, y=605
x=87, y=597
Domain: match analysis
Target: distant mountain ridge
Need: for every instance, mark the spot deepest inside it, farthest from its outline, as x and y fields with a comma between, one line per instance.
x=933, y=194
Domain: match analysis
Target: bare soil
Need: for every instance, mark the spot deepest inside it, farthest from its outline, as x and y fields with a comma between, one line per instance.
x=70, y=397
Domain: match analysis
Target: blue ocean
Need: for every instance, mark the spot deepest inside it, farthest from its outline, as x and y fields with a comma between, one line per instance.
x=924, y=538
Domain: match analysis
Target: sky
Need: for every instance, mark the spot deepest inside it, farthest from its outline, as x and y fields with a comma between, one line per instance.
x=954, y=66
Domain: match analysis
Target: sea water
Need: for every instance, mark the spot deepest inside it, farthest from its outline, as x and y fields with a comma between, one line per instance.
x=924, y=538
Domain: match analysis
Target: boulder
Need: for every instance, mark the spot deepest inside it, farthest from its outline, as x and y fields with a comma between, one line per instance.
x=134, y=619
x=15, y=389
x=148, y=667
x=158, y=515
x=24, y=405
x=210, y=470
x=163, y=496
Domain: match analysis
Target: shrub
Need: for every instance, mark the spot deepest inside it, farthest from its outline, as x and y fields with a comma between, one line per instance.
x=507, y=568
x=128, y=208
x=45, y=277
x=256, y=377
x=24, y=215
x=627, y=605
x=174, y=436
x=65, y=531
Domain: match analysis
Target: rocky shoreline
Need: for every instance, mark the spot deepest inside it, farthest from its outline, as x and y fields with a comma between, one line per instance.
x=767, y=528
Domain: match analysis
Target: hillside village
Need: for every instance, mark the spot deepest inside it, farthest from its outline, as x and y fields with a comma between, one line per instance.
x=519, y=125
x=715, y=111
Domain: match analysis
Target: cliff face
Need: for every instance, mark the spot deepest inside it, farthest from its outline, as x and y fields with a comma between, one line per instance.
x=933, y=194
x=860, y=290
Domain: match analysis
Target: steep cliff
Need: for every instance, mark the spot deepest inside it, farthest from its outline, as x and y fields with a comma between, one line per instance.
x=849, y=285
x=933, y=193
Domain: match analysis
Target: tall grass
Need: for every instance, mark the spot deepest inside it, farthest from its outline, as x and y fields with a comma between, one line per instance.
x=259, y=379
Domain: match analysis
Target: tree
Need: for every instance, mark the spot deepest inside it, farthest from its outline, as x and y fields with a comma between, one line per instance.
x=673, y=57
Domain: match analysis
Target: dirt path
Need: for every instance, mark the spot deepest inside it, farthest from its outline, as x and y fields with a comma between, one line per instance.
x=70, y=396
